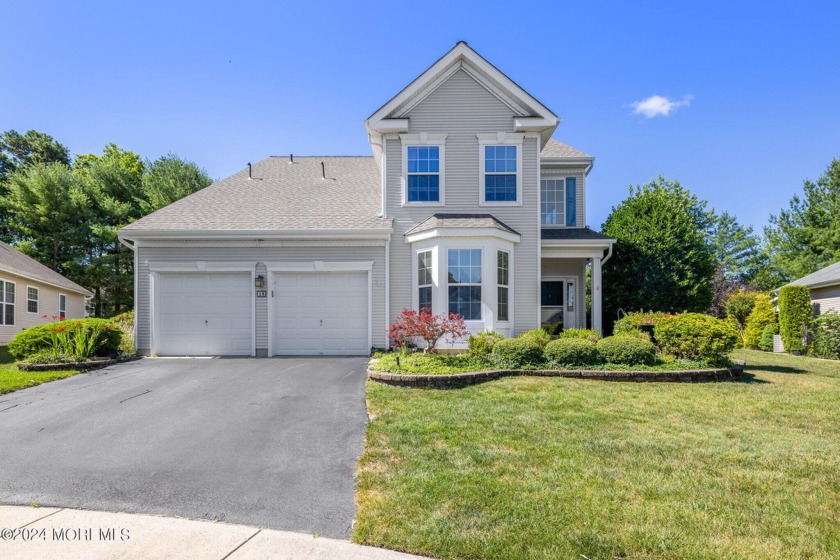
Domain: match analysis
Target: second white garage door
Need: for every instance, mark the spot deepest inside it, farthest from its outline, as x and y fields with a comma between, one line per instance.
x=321, y=313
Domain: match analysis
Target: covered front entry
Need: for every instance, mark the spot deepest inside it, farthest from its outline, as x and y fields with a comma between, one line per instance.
x=203, y=314
x=321, y=313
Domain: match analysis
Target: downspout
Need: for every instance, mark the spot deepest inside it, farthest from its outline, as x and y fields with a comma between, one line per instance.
x=387, y=287
x=608, y=255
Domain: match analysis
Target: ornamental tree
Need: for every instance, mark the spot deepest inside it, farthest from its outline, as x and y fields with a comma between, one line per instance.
x=424, y=325
x=794, y=316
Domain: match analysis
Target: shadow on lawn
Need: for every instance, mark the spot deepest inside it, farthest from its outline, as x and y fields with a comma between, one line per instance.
x=747, y=377
x=773, y=369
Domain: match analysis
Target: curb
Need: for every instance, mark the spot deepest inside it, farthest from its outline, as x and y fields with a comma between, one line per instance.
x=736, y=373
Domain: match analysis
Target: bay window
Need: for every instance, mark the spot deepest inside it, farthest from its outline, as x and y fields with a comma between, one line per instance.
x=502, y=283
x=464, y=281
x=424, y=280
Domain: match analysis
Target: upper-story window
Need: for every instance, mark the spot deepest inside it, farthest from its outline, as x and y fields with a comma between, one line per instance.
x=500, y=173
x=423, y=168
x=558, y=204
x=423, y=174
x=500, y=167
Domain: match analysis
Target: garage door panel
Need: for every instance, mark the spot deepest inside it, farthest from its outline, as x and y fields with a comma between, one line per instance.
x=205, y=314
x=321, y=313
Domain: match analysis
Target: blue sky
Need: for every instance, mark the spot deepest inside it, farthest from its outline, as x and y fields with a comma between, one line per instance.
x=756, y=84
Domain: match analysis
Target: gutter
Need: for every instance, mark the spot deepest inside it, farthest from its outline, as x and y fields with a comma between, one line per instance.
x=376, y=233
x=609, y=254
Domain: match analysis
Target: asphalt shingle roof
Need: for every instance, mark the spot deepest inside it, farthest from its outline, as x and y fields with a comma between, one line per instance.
x=573, y=234
x=15, y=262
x=555, y=149
x=827, y=275
x=281, y=196
x=460, y=221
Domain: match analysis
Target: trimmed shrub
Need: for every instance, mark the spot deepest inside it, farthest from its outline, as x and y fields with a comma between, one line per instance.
x=553, y=329
x=694, y=336
x=628, y=350
x=794, y=316
x=572, y=352
x=583, y=334
x=826, y=342
x=766, y=341
x=738, y=307
x=640, y=321
x=39, y=338
x=762, y=316
x=517, y=352
x=481, y=344
x=538, y=336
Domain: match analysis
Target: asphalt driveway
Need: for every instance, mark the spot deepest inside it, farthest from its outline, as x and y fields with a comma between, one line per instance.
x=265, y=442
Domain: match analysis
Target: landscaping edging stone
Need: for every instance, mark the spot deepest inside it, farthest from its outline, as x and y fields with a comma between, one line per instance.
x=92, y=364
x=736, y=373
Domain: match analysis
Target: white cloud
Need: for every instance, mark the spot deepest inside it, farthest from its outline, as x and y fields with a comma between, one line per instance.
x=658, y=106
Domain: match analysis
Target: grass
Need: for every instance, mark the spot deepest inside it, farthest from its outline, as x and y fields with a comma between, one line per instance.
x=557, y=468
x=12, y=379
x=419, y=363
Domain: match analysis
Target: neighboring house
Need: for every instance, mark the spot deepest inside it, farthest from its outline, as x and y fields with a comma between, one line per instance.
x=30, y=290
x=825, y=288
x=467, y=205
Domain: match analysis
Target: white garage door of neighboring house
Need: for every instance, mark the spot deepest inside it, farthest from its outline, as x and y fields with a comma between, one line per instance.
x=321, y=313
x=204, y=314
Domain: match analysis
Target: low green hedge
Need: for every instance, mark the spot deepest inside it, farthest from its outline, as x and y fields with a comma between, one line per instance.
x=538, y=336
x=826, y=343
x=572, y=352
x=626, y=349
x=795, y=313
x=584, y=334
x=481, y=344
x=695, y=336
x=38, y=339
x=517, y=352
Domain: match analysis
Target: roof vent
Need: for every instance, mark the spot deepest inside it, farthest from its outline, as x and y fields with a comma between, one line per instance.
x=291, y=158
x=323, y=172
x=249, y=170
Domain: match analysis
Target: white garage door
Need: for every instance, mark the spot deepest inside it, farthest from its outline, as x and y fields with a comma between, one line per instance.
x=204, y=314
x=321, y=313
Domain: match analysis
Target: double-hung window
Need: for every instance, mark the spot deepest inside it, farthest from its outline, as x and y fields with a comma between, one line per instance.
x=502, y=281
x=500, y=173
x=423, y=174
x=558, y=201
x=7, y=302
x=31, y=299
x=464, y=279
x=62, y=306
x=424, y=280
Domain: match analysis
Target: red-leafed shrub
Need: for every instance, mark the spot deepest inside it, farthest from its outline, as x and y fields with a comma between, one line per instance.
x=423, y=325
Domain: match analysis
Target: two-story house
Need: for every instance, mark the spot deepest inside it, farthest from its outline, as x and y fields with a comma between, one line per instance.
x=467, y=205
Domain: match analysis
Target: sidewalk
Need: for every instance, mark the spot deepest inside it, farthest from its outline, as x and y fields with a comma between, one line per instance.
x=57, y=533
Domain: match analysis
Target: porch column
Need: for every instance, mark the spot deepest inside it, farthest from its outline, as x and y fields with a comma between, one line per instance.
x=596, y=295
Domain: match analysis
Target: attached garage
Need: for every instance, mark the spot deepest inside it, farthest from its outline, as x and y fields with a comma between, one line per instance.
x=203, y=313
x=321, y=312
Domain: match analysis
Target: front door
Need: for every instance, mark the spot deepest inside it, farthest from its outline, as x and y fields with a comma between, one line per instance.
x=558, y=299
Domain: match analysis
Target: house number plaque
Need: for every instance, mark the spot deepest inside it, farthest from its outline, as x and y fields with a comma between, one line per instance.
x=262, y=293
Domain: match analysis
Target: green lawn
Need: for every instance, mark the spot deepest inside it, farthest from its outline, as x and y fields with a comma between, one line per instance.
x=12, y=379
x=558, y=468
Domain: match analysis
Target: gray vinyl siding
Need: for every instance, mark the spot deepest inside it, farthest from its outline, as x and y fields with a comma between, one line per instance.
x=221, y=252
x=462, y=108
x=826, y=299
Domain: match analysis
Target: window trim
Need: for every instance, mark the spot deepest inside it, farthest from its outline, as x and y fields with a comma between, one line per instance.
x=500, y=287
x=62, y=313
x=37, y=299
x=4, y=304
x=500, y=139
x=427, y=140
x=483, y=300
